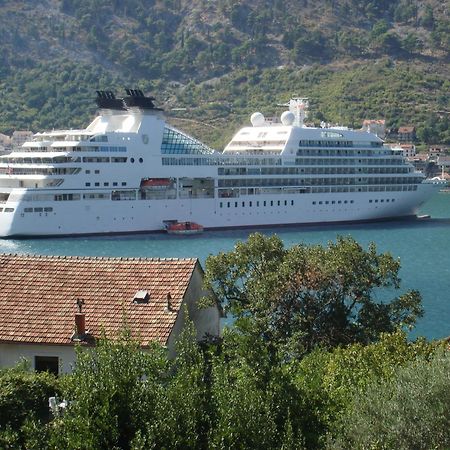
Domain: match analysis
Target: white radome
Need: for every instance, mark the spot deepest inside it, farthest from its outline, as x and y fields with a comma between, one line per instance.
x=287, y=118
x=257, y=119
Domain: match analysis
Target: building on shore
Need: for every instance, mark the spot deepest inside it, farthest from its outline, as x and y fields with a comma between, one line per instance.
x=49, y=304
x=407, y=134
x=377, y=127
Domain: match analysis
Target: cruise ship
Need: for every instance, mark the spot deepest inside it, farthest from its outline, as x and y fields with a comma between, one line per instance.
x=129, y=171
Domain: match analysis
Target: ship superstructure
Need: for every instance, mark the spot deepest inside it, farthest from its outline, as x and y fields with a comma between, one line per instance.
x=129, y=171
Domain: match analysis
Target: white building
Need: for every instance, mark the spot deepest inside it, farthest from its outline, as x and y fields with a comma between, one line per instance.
x=48, y=304
x=377, y=127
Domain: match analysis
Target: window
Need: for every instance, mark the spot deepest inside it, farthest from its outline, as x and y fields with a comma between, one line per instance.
x=141, y=160
x=106, y=184
x=132, y=160
x=46, y=364
x=97, y=171
x=115, y=183
x=87, y=184
x=97, y=184
x=88, y=171
x=124, y=183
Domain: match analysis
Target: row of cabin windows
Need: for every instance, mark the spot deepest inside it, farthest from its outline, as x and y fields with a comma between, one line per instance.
x=327, y=169
x=257, y=203
x=382, y=200
x=262, y=182
x=39, y=210
x=106, y=183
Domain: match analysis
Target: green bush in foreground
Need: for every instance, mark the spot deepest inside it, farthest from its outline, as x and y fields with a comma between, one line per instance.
x=408, y=411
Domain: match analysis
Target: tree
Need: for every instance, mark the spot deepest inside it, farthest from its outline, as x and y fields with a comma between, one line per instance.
x=309, y=296
x=411, y=410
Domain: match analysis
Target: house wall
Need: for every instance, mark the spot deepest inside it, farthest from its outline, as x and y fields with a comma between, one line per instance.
x=206, y=320
x=11, y=354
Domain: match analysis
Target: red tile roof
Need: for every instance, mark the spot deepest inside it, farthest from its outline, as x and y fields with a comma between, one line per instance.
x=38, y=296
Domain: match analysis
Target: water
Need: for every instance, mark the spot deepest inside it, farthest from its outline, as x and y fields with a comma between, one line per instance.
x=423, y=247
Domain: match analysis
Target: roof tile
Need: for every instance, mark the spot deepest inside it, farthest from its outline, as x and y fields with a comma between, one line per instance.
x=38, y=296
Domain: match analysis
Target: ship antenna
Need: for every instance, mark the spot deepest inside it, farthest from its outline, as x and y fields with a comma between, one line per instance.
x=299, y=107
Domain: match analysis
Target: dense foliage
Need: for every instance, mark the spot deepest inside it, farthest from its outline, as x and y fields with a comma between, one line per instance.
x=379, y=59
x=238, y=395
x=310, y=296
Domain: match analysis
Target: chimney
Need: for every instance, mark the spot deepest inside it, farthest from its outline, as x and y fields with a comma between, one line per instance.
x=168, y=302
x=80, y=321
x=80, y=324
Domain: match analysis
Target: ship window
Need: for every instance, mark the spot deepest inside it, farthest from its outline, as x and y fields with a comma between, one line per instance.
x=382, y=200
x=26, y=210
x=9, y=209
x=320, y=203
x=387, y=200
x=243, y=204
x=38, y=209
x=87, y=184
x=370, y=201
x=278, y=203
x=271, y=202
x=221, y=204
x=257, y=203
x=339, y=202
x=124, y=183
x=88, y=171
x=97, y=171
x=235, y=204
x=264, y=204
x=115, y=183
x=376, y=201
x=96, y=184
x=106, y=184
x=118, y=159
x=228, y=204
x=292, y=202
x=393, y=199
x=141, y=160
x=345, y=201
x=48, y=209
x=132, y=160
x=351, y=201
x=314, y=203
x=326, y=203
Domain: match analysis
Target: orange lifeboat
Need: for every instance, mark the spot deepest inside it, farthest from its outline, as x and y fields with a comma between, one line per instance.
x=184, y=228
x=155, y=182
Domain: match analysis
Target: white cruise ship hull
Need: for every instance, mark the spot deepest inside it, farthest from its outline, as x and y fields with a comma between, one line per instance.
x=140, y=216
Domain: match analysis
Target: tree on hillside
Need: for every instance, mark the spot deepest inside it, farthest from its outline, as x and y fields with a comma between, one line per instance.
x=309, y=296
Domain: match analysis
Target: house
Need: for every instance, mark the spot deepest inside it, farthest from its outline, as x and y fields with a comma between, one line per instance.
x=377, y=127
x=407, y=134
x=48, y=304
x=409, y=150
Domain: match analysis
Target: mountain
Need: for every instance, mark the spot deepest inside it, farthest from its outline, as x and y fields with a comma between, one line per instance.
x=212, y=63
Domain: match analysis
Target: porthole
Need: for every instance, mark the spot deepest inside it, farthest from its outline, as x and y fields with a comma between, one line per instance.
x=132, y=160
x=141, y=160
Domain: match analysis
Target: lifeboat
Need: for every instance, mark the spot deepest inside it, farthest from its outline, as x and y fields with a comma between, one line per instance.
x=155, y=182
x=184, y=228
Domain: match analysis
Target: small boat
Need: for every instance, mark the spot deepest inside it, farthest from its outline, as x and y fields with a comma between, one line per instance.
x=184, y=228
x=161, y=183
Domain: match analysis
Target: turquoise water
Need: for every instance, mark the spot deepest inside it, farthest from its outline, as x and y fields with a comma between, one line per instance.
x=423, y=248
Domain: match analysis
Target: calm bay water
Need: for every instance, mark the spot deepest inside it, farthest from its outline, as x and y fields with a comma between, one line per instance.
x=423, y=248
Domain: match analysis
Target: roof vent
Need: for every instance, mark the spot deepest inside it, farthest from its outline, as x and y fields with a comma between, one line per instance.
x=141, y=297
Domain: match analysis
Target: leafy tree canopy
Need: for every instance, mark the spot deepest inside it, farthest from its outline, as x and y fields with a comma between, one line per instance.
x=311, y=295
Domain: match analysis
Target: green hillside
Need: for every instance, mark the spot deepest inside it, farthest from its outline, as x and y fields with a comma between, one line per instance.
x=222, y=60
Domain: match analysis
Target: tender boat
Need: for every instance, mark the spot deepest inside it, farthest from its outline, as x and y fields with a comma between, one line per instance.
x=184, y=228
